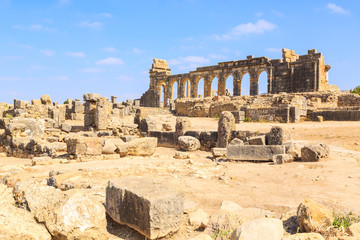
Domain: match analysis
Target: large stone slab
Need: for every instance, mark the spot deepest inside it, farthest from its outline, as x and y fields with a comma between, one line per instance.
x=151, y=208
x=253, y=152
x=84, y=145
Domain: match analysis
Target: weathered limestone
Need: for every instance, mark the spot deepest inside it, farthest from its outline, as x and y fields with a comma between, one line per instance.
x=225, y=126
x=46, y=100
x=304, y=236
x=218, y=152
x=282, y=158
x=314, y=152
x=182, y=126
x=313, y=217
x=84, y=145
x=188, y=143
x=90, y=109
x=263, y=228
x=293, y=73
x=257, y=140
x=278, y=136
x=151, y=208
x=101, y=114
x=254, y=153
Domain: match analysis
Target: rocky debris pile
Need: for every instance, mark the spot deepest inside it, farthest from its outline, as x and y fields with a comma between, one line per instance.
x=41, y=130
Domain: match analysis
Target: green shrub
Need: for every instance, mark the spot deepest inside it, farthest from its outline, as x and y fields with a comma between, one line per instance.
x=8, y=115
x=343, y=221
x=246, y=120
x=356, y=90
x=66, y=102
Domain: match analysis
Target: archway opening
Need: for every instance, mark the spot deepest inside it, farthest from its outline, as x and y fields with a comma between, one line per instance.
x=175, y=91
x=187, y=89
x=162, y=95
x=229, y=86
x=200, y=88
x=214, y=87
x=263, y=82
x=245, y=84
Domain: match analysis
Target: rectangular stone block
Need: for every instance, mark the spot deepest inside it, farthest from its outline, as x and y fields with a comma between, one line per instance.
x=218, y=152
x=84, y=146
x=257, y=140
x=151, y=208
x=165, y=139
x=253, y=152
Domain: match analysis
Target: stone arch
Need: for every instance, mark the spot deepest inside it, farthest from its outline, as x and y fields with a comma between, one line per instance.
x=244, y=86
x=185, y=87
x=196, y=87
x=229, y=83
x=162, y=94
x=214, y=87
x=260, y=81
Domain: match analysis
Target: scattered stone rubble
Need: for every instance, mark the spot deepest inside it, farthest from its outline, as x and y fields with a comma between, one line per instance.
x=59, y=210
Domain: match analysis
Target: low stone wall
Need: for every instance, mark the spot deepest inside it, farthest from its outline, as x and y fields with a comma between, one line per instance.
x=343, y=115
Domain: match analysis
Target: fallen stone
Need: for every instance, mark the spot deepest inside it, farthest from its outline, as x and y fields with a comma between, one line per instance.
x=354, y=229
x=152, y=209
x=166, y=127
x=66, y=127
x=182, y=126
x=282, y=158
x=257, y=140
x=253, y=153
x=190, y=206
x=74, y=214
x=226, y=124
x=278, y=136
x=236, y=141
x=84, y=145
x=293, y=149
x=304, y=236
x=198, y=219
x=314, y=152
x=46, y=100
x=230, y=206
x=140, y=146
x=218, y=152
x=110, y=145
x=181, y=155
x=320, y=118
x=313, y=217
x=263, y=228
x=93, y=97
x=188, y=143
x=128, y=138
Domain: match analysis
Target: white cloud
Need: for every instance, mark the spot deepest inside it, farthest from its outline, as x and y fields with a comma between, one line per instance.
x=93, y=25
x=75, y=54
x=35, y=28
x=9, y=78
x=275, y=50
x=110, y=49
x=259, y=27
x=59, y=78
x=217, y=56
x=48, y=53
x=137, y=51
x=337, y=9
x=189, y=62
x=93, y=70
x=110, y=61
x=107, y=15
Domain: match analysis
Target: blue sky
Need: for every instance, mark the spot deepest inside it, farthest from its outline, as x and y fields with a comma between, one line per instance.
x=65, y=48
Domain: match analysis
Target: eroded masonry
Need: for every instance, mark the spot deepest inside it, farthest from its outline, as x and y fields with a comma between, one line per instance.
x=291, y=74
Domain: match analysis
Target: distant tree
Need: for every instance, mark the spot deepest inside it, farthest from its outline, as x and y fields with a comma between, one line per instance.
x=356, y=90
x=66, y=102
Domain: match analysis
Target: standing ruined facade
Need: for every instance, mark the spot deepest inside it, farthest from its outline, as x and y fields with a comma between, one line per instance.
x=293, y=73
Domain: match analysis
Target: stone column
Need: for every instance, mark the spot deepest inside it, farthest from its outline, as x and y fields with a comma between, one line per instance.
x=90, y=110
x=207, y=86
x=102, y=114
x=222, y=85
x=225, y=126
x=237, y=84
x=113, y=99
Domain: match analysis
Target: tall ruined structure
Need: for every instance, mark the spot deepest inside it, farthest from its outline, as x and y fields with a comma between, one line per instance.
x=293, y=73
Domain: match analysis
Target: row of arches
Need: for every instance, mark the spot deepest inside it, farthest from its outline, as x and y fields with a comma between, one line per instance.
x=213, y=88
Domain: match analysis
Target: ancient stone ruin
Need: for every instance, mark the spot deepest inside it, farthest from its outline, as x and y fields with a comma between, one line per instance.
x=291, y=74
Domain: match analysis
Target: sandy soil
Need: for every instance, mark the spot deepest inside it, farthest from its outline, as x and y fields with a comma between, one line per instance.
x=334, y=182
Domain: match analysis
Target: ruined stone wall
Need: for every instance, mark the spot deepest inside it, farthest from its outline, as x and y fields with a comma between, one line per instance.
x=292, y=74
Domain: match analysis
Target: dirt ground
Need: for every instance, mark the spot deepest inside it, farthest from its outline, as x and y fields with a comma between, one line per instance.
x=334, y=182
